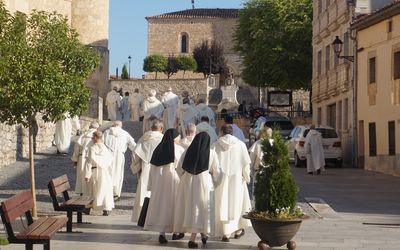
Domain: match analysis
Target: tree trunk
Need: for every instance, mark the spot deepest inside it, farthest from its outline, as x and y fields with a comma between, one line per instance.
x=32, y=167
x=184, y=74
x=156, y=74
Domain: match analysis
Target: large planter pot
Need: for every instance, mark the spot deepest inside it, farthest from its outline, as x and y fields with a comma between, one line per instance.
x=275, y=233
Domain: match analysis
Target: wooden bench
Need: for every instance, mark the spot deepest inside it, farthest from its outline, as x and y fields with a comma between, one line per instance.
x=79, y=204
x=36, y=232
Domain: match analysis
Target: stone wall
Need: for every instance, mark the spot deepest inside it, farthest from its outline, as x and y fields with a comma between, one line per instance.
x=197, y=88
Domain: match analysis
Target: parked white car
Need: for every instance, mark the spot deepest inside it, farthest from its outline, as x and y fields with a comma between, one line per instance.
x=331, y=143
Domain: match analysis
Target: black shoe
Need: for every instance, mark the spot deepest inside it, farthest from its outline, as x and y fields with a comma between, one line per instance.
x=86, y=211
x=238, y=236
x=225, y=239
x=319, y=171
x=204, y=240
x=310, y=173
x=193, y=244
x=116, y=198
x=162, y=239
x=106, y=213
x=178, y=236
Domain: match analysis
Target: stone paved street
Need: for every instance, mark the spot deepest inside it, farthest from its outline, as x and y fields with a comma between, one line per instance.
x=366, y=210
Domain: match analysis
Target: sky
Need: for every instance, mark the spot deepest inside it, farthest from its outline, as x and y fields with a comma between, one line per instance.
x=128, y=27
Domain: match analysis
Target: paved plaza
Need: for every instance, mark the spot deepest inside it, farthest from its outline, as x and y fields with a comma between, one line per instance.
x=356, y=209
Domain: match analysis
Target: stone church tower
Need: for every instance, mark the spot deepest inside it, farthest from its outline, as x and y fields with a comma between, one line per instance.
x=90, y=19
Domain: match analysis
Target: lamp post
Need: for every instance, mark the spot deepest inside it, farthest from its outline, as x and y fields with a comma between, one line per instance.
x=338, y=47
x=129, y=71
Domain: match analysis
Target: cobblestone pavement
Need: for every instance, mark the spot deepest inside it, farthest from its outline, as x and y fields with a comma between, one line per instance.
x=367, y=206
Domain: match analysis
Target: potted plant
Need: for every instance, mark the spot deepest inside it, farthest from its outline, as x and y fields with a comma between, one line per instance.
x=275, y=218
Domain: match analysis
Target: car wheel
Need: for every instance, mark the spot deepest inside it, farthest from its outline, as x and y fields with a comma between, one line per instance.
x=338, y=163
x=297, y=162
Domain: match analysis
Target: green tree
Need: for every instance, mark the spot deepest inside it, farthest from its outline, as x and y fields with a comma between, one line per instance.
x=275, y=187
x=172, y=66
x=186, y=63
x=210, y=55
x=43, y=68
x=125, y=73
x=155, y=63
x=274, y=38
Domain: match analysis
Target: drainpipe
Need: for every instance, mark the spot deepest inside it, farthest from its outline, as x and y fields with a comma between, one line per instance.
x=355, y=85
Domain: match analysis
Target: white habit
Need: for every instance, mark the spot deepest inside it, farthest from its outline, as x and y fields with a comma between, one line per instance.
x=81, y=152
x=141, y=166
x=232, y=196
x=98, y=170
x=170, y=101
x=163, y=184
x=126, y=115
x=63, y=132
x=187, y=114
x=315, y=151
x=151, y=107
x=205, y=127
x=204, y=110
x=135, y=106
x=238, y=133
x=113, y=103
x=192, y=210
x=118, y=140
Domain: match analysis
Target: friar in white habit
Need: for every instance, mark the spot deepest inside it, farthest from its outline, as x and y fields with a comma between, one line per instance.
x=98, y=174
x=163, y=184
x=237, y=132
x=81, y=151
x=187, y=114
x=141, y=164
x=118, y=141
x=204, y=110
x=199, y=169
x=255, y=151
x=315, y=151
x=170, y=102
x=232, y=195
x=125, y=112
x=63, y=133
x=113, y=103
x=190, y=134
x=204, y=126
x=135, y=105
x=151, y=107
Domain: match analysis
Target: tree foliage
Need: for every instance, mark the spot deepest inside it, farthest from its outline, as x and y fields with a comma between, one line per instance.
x=155, y=63
x=274, y=38
x=186, y=63
x=43, y=67
x=172, y=66
x=206, y=54
x=125, y=73
x=275, y=188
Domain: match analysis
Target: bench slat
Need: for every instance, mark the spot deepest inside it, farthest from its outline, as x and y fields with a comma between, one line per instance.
x=78, y=201
x=60, y=180
x=18, y=210
x=60, y=184
x=35, y=234
x=57, y=225
x=31, y=228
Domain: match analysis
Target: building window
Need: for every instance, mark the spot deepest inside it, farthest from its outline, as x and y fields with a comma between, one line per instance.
x=319, y=116
x=372, y=138
x=331, y=115
x=392, y=138
x=319, y=62
x=346, y=113
x=184, y=43
x=340, y=112
x=327, y=58
x=396, y=66
x=390, y=26
x=372, y=70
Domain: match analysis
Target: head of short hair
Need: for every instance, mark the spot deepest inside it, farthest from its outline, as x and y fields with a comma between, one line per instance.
x=201, y=100
x=152, y=93
x=115, y=88
x=226, y=129
x=190, y=129
x=156, y=124
x=312, y=126
x=117, y=124
x=98, y=134
x=185, y=100
x=228, y=119
x=136, y=90
x=205, y=119
x=127, y=93
x=94, y=125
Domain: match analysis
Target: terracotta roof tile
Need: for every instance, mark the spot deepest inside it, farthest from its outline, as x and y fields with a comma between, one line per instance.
x=198, y=13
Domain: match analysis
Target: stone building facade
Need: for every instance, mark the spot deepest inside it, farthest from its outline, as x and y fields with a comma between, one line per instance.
x=378, y=90
x=90, y=19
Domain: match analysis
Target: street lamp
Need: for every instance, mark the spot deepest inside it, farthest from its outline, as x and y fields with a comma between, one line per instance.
x=338, y=47
x=129, y=72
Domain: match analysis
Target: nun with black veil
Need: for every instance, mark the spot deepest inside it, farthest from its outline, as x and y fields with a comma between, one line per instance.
x=163, y=184
x=199, y=170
